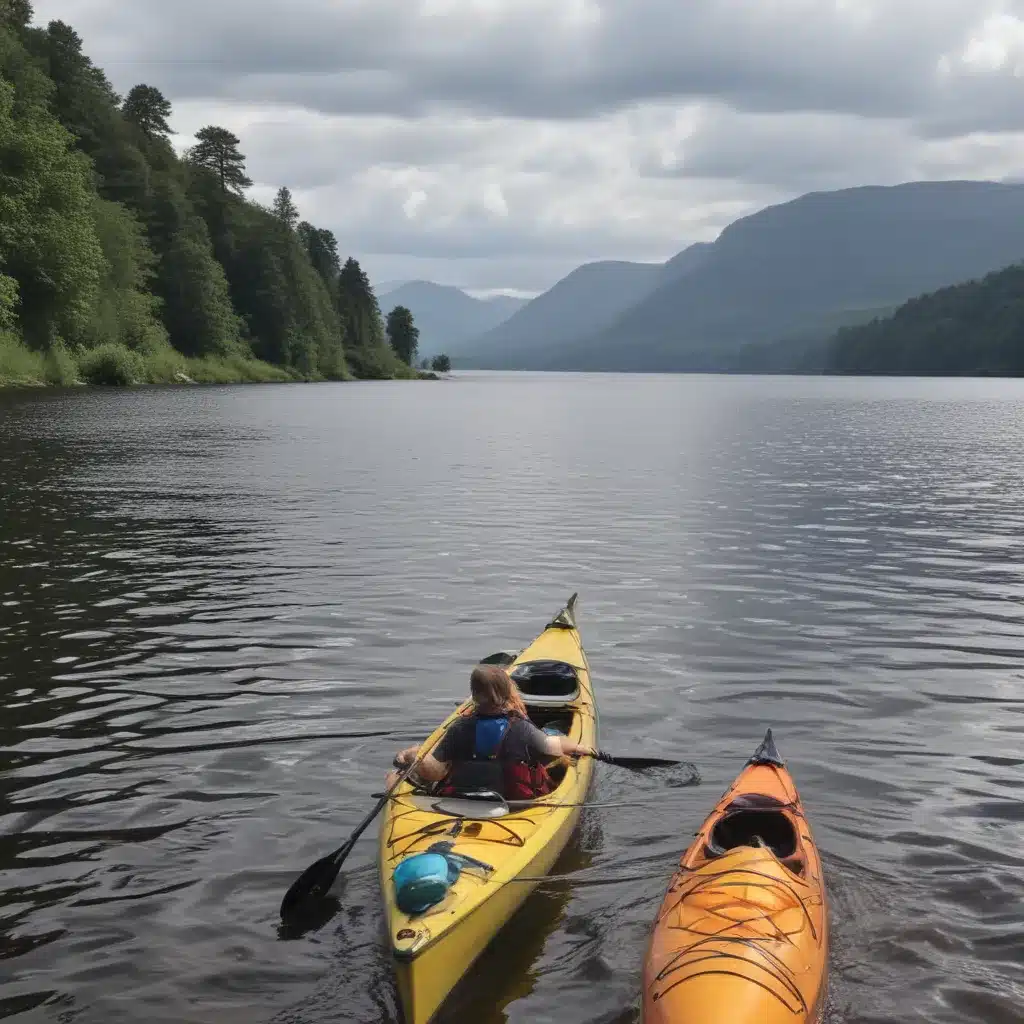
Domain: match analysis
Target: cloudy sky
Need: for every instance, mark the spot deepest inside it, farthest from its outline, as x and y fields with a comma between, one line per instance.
x=496, y=144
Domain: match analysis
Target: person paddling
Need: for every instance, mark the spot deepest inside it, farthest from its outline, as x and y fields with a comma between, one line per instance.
x=493, y=746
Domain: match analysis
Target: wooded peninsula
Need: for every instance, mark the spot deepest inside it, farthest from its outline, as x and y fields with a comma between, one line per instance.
x=123, y=262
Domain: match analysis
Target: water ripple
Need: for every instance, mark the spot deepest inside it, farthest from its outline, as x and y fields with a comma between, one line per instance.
x=222, y=609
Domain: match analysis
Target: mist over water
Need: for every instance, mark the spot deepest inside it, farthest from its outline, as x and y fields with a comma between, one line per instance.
x=222, y=610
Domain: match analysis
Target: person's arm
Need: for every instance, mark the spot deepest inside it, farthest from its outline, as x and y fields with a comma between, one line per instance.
x=556, y=746
x=433, y=767
x=430, y=769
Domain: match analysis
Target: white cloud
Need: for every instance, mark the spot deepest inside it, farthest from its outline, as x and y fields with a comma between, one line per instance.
x=413, y=202
x=998, y=45
x=494, y=200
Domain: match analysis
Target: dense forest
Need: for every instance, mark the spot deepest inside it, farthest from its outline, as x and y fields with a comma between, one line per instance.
x=121, y=261
x=970, y=329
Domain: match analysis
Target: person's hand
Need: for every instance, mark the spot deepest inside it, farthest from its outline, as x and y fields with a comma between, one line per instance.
x=578, y=749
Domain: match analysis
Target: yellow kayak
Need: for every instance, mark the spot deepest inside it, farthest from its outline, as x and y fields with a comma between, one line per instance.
x=503, y=850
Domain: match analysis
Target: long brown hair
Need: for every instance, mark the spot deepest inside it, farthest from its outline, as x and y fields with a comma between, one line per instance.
x=493, y=689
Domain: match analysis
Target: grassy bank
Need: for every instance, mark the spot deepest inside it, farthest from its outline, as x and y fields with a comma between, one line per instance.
x=115, y=365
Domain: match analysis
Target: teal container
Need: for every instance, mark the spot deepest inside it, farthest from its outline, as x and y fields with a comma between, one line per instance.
x=422, y=881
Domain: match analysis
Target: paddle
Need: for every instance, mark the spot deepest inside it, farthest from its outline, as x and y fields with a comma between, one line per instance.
x=318, y=878
x=637, y=763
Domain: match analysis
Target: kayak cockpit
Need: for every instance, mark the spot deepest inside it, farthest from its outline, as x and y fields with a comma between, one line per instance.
x=759, y=821
x=547, y=682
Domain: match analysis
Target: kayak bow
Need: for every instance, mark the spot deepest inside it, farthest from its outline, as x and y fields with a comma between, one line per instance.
x=742, y=933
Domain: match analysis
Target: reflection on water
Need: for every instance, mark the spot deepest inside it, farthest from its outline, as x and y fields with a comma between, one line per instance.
x=223, y=609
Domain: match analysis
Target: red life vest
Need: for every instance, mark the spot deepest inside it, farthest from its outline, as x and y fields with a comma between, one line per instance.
x=488, y=769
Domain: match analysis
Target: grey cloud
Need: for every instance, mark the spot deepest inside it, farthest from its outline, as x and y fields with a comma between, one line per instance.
x=977, y=103
x=332, y=150
x=794, y=151
x=388, y=56
x=376, y=225
x=626, y=135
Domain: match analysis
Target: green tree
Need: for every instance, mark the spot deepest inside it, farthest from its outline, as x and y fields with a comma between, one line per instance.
x=8, y=303
x=322, y=249
x=441, y=363
x=148, y=109
x=284, y=208
x=126, y=310
x=403, y=334
x=84, y=102
x=16, y=14
x=358, y=306
x=288, y=310
x=48, y=240
x=216, y=149
x=197, y=306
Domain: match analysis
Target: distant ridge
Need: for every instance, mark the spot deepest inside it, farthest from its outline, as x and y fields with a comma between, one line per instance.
x=446, y=315
x=794, y=270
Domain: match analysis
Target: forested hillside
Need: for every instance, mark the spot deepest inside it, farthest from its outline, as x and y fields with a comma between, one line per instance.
x=121, y=261
x=971, y=329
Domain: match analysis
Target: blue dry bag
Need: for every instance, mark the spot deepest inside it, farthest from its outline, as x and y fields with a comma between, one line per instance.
x=422, y=881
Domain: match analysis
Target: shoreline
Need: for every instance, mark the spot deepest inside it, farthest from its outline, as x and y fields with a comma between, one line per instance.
x=113, y=365
x=182, y=380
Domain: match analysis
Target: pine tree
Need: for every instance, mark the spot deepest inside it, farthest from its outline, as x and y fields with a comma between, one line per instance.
x=148, y=109
x=403, y=334
x=284, y=208
x=216, y=149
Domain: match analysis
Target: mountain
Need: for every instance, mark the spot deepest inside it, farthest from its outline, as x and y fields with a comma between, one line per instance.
x=585, y=300
x=792, y=271
x=387, y=286
x=446, y=316
x=505, y=305
x=975, y=328
x=683, y=262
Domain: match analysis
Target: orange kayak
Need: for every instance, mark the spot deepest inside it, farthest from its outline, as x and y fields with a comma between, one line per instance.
x=742, y=934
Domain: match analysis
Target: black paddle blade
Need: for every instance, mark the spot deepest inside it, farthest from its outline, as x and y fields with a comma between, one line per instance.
x=637, y=762
x=314, y=883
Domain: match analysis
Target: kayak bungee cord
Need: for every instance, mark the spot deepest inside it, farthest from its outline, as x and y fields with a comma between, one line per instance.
x=701, y=954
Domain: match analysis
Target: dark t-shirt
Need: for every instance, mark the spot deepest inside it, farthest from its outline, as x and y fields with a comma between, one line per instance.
x=523, y=741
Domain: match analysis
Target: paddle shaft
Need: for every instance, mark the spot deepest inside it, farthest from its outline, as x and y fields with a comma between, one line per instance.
x=364, y=824
x=319, y=876
x=385, y=797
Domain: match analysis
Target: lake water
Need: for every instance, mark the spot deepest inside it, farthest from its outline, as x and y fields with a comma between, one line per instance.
x=222, y=610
